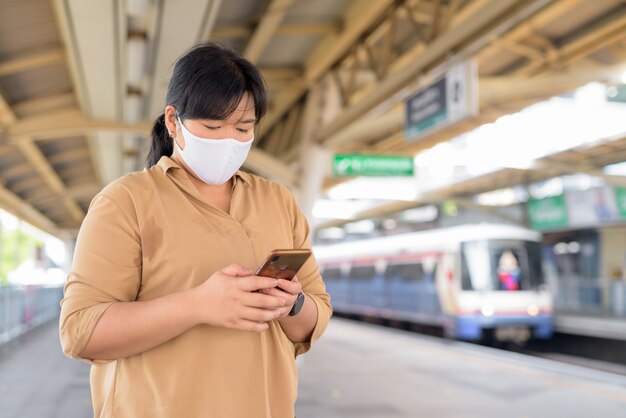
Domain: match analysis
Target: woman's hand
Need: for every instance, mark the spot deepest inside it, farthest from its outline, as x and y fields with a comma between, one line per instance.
x=287, y=290
x=234, y=298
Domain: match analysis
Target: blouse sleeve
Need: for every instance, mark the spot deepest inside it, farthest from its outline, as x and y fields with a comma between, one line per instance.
x=309, y=276
x=106, y=269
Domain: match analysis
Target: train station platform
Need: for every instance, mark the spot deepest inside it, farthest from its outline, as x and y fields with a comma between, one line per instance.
x=38, y=381
x=600, y=326
x=356, y=370
x=360, y=370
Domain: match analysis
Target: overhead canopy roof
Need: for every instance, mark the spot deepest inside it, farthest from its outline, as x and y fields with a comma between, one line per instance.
x=81, y=81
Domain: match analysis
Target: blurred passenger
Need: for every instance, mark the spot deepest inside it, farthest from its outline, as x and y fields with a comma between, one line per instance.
x=161, y=298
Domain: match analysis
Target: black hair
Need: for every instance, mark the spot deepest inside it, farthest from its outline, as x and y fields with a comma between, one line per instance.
x=208, y=82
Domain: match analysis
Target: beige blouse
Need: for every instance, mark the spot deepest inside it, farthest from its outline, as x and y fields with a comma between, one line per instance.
x=150, y=234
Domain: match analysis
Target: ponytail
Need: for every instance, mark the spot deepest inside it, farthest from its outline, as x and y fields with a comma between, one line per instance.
x=161, y=142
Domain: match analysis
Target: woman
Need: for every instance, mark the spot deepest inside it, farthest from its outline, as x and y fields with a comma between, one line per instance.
x=161, y=298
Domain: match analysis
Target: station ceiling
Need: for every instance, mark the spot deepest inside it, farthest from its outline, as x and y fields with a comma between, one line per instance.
x=82, y=81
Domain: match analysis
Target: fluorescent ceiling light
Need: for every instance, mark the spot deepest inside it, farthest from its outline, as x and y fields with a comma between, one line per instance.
x=361, y=227
x=422, y=214
x=346, y=209
x=615, y=169
x=386, y=188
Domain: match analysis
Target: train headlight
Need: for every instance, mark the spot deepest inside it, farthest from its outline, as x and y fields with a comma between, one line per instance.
x=487, y=310
x=533, y=310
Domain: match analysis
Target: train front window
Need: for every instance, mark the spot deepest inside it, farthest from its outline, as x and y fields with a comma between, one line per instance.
x=507, y=265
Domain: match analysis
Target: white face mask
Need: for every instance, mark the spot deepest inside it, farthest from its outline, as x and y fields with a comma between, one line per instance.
x=214, y=161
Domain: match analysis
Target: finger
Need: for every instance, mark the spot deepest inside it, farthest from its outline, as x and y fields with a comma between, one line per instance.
x=278, y=292
x=258, y=314
x=254, y=283
x=263, y=300
x=290, y=299
x=284, y=312
x=245, y=325
x=236, y=270
x=289, y=286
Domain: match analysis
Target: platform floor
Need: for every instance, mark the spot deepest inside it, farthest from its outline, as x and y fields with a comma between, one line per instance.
x=355, y=370
x=360, y=370
x=38, y=381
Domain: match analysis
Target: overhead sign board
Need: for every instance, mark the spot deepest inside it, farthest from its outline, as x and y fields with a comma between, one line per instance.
x=548, y=213
x=372, y=165
x=449, y=100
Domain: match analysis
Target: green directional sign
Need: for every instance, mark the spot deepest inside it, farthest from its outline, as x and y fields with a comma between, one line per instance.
x=372, y=165
x=548, y=213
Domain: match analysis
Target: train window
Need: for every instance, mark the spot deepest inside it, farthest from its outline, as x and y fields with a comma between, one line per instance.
x=331, y=274
x=432, y=274
x=536, y=277
x=405, y=272
x=508, y=268
x=466, y=281
x=475, y=266
x=362, y=272
x=508, y=265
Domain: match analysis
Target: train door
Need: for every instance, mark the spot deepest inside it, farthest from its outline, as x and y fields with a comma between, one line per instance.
x=448, y=283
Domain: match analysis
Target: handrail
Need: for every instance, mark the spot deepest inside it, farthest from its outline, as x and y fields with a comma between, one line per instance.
x=25, y=307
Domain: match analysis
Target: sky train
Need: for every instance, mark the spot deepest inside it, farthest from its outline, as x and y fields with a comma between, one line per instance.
x=474, y=281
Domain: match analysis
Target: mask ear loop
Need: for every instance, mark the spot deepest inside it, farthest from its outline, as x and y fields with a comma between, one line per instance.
x=181, y=128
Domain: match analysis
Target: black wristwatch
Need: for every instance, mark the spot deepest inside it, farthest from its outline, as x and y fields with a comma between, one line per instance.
x=297, y=306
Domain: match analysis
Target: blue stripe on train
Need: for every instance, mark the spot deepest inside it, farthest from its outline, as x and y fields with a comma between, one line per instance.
x=469, y=327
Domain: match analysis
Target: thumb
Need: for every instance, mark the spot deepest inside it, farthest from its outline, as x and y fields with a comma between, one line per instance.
x=236, y=270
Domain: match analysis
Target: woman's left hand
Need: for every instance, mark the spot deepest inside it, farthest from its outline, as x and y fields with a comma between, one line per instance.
x=288, y=290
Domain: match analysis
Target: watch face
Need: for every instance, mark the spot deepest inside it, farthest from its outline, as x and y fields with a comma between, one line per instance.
x=297, y=305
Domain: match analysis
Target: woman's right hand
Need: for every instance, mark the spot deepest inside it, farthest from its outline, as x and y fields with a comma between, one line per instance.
x=230, y=298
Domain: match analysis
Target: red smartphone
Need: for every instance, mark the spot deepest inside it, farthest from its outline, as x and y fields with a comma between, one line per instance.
x=283, y=264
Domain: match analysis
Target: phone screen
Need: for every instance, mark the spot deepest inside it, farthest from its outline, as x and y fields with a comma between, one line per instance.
x=283, y=264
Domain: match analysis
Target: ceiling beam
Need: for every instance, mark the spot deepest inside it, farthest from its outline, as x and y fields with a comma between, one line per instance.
x=39, y=162
x=80, y=191
x=482, y=21
x=271, y=20
x=502, y=88
x=537, y=76
x=69, y=123
x=44, y=104
x=358, y=18
x=68, y=31
x=609, y=30
x=70, y=155
x=305, y=29
x=6, y=114
x=16, y=170
x=529, y=27
x=271, y=74
x=550, y=164
x=41, y=165
x=502, y=94
x=492, y=90
x=30, y=62
x=13, y=204
x=268, y=166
